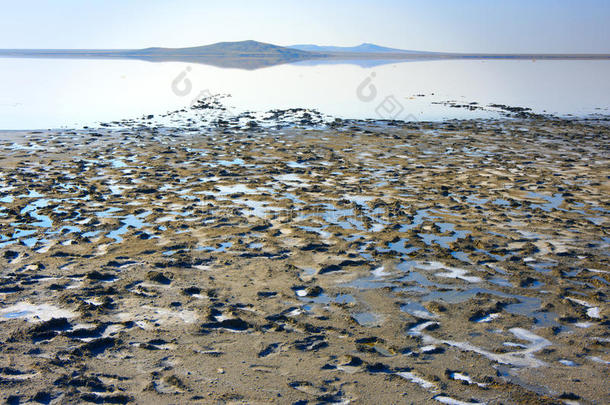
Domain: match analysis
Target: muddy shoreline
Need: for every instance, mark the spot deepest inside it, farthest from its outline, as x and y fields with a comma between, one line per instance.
x=363, y=262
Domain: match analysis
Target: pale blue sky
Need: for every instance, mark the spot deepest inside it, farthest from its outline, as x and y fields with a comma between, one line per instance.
x=433, y=25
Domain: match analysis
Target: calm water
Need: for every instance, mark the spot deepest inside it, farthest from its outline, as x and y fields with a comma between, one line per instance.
x=45, y=93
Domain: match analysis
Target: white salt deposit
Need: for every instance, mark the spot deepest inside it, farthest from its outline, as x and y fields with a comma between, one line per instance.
x=33, y=313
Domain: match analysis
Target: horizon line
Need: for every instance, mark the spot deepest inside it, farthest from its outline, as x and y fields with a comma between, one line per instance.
x=398, y=50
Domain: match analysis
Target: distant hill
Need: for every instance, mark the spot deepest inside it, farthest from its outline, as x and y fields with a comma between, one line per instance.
x=228, y=49
x=255, y=55
x=362, y=48
x=242, y=54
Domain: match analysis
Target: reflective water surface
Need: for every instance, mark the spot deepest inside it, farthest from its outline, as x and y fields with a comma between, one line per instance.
x=55, y=93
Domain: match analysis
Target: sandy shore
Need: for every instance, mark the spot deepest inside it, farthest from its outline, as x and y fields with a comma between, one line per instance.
x=459, y=262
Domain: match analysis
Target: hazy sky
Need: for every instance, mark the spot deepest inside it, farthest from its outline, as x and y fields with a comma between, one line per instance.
x=433, y=25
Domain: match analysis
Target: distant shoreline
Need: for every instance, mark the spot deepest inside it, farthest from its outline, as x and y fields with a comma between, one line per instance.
x=144, y=53
x=254, y=55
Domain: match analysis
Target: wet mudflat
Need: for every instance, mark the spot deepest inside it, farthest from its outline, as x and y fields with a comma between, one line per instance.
x=457, y=262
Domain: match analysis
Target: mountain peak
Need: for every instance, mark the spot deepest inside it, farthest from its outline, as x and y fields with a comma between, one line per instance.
x=365, y=47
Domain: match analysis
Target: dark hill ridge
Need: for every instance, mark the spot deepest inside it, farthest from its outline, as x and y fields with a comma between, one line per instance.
x=232, y=49
x=247, y=55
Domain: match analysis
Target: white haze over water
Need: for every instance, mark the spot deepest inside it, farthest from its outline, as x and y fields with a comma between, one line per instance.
x=54, y=93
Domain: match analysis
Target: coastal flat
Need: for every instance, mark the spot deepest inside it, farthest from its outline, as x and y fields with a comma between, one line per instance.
x=363, y=263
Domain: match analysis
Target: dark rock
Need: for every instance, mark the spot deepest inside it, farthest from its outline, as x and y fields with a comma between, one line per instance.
x=191, y=291
x=100, y=345
x=352, y=361
x=11, y=255
x=266, y=294
x=311, y=343
x=97, y=276
x=235, y=324
x=54, y=324
x=161, y=278
x=315, y=247
x=42, y=397
x=377, y=368
x=570, y=396
x=272, y=348
x=92, y=383
x=106, y=399
x=13, y=400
